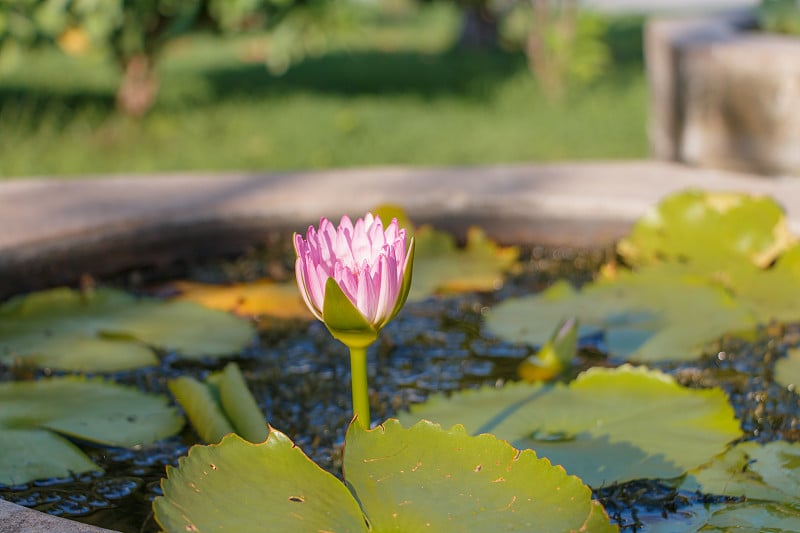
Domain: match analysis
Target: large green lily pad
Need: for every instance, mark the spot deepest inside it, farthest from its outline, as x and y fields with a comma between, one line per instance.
x=36, y=416
x=421, y=478
x=660, y=313
x=708, y=229
x=107, y=330
x=607, y=426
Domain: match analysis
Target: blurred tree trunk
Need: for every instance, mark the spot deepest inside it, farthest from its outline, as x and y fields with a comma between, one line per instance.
x=554, y=24
x=139, y=86
x=478, y=26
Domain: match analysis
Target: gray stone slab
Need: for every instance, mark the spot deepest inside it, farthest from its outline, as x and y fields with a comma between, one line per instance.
x=17, y=519
x=122, y=221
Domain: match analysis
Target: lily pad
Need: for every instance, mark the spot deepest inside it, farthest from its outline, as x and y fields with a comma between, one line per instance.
x=262, y=297
x=708, y=229
x=787, y=370
x=608, y=426
x=399, y=479
x=756, y=471
x=440, y=266
x=37, y=416
x=771, y=294
x=107, y=330
x=767, y=475
x=660, y=313
x=741, y=517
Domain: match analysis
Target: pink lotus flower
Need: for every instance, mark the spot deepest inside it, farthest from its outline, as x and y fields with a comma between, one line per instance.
x=371, y=265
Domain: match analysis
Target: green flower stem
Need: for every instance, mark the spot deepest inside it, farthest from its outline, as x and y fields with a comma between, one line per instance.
x=358, y=377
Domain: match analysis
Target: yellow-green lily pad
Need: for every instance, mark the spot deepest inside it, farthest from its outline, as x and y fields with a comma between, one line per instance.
x=38, y=417
x=708, y=229
x=396, y=479
x=659, y=313
x=787, y=370
x=107, y=330
x=440, y=266
x=607, y=426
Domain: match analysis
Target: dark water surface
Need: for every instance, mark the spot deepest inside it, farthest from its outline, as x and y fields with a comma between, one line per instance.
x=300, y=378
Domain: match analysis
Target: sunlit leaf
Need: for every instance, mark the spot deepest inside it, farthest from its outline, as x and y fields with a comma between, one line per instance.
x=787, y=370
x=440, y=266
x=402, y=479
x=263, y=297
x=266, y=487
x=660, y=313
x=36, y=416
x=608, y=426
x=771, y=294
x=709, y=230
x=221, y=405
x=424, y=478
x=106, y=330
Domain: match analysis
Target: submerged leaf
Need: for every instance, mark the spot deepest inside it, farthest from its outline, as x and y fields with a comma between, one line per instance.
x=107, y=330
x=608, y=426
x=440, y=266
x=37, y=415
x=402, y=479
x=708, y=230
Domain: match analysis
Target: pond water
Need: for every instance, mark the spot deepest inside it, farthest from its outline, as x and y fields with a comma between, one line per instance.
x=300, y=378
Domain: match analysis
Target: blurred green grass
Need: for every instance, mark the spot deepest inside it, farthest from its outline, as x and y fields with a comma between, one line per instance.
x=400, y=94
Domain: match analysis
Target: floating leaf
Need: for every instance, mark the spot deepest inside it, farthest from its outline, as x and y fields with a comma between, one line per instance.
x=37, y=415
x=608, y=426
x=742, y=517
x=424, y=478
x=708, y=229
x=411, y=479
x=263, y=297
x=107, y=330
x=770, y=294
x=660, y=313
x=220, y=406
x=787, y=370
x=239, y=486
x=763, y=472
x=440, y=266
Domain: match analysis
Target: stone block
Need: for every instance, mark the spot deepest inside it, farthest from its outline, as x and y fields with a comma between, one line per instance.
x=723, y=95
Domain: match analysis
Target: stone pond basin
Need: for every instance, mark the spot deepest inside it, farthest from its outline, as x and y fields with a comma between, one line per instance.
x=55, y=230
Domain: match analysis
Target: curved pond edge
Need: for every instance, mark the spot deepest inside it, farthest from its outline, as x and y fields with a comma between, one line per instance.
x=53, y=230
